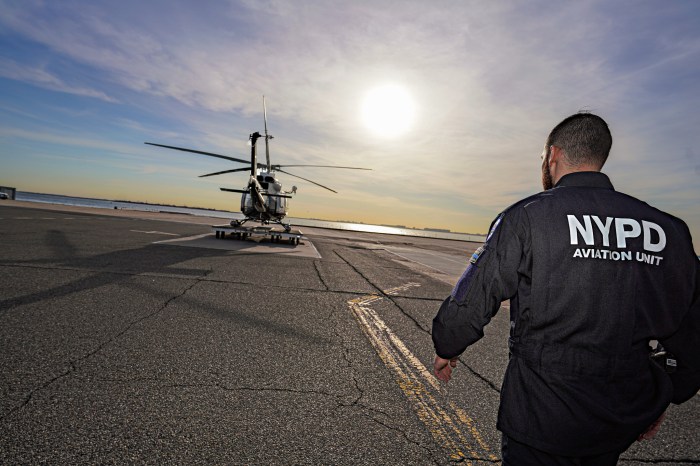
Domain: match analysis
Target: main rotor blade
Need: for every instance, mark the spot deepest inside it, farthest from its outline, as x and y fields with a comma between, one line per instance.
x=275, y=167
x=262, y=194
x=305, y=179
x=233, y=159
x=226, y=171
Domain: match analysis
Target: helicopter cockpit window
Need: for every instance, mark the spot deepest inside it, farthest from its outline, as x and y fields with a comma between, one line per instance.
x=262, y=180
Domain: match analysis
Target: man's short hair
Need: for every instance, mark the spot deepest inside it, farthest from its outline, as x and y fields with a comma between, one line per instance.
x=585, y=139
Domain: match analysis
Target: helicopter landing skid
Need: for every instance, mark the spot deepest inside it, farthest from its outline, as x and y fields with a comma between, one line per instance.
x=287, y=227
x=273, y=234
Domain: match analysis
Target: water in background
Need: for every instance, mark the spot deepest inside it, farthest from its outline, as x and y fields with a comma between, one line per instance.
x=105, y=204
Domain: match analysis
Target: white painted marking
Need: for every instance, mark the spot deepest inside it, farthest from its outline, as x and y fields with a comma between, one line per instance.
x=444, y=420
x=312, y=245
x=155, y=232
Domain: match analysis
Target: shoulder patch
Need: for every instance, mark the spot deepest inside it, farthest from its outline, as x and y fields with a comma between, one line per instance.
x=459, y=292
x=477, y=254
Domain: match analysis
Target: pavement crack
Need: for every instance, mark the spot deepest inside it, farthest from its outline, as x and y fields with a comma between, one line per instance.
x=216, y=385
x=320, y=277
x=479, y=376
x=73, y=364
x=281, y=390
x=407, y=314
x=348, y=362
x=430, y=452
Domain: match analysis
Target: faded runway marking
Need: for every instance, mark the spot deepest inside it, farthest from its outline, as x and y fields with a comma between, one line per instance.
x=451, y=426
x=153, y=232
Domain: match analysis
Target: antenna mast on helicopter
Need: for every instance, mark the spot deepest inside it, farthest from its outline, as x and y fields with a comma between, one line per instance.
x=267, y=138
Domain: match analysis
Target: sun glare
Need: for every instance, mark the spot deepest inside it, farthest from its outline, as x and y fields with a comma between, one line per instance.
x=388, y=111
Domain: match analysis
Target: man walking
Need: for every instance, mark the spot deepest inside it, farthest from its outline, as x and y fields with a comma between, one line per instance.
x=593, y=275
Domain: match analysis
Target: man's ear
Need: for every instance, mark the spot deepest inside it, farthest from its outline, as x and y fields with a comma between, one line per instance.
x=557, y=163
x=556, y=154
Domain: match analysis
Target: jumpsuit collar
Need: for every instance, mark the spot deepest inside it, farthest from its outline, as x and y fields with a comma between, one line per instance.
x=585, y=179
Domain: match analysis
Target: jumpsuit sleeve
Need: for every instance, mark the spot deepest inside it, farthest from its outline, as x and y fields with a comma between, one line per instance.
x=685, y=346
x=490, y=278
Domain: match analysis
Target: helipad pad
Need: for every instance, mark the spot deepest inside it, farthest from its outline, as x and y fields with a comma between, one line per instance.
x=305, y=248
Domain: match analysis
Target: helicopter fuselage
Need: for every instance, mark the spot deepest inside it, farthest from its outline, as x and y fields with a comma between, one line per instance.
x=266, y=203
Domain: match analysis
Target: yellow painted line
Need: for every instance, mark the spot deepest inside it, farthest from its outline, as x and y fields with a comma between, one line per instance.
x=450, y=426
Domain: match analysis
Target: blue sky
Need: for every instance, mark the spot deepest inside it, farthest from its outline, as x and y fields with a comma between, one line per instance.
x=83, y=84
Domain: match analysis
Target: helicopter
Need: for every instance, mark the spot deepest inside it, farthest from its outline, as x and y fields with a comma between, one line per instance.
x=263, y=199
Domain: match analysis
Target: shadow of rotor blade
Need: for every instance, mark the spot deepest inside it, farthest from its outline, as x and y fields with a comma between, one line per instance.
x=59, y=245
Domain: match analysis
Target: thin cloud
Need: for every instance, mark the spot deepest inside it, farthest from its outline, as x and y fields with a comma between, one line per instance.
x=42, y=78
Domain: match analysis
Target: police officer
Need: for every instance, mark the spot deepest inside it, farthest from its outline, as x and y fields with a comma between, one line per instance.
x=593, y=275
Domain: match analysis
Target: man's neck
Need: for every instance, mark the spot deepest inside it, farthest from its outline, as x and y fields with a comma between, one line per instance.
x=566, y=170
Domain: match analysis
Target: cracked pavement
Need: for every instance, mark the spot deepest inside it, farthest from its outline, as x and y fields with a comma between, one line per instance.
x=118, y=350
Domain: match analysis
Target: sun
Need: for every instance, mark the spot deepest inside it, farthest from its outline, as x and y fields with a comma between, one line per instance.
x=388, y=110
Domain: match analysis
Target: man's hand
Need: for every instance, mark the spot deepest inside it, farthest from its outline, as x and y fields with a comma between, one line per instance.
x=652, y=429
x=443, y=368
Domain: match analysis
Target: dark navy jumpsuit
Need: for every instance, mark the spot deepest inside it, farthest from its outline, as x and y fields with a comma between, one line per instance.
x=592, y=276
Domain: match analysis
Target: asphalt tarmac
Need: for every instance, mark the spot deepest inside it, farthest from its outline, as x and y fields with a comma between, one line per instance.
x=129, y=339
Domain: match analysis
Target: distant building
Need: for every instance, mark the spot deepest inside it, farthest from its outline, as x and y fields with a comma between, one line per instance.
x=438, y=230
x=9, y=191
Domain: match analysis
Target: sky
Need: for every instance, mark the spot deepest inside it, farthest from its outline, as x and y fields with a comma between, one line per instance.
x=83, y=84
